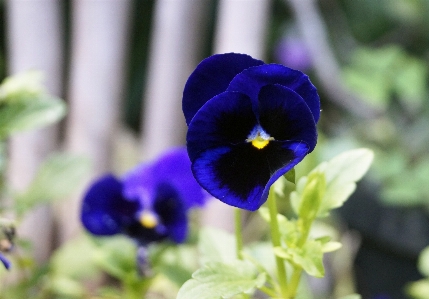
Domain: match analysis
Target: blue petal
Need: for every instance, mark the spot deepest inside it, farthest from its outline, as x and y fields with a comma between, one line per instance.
x=172, y=211
x=284, y=115
x=241, y=175
x=172, y=167
x=212, y=77
x=104, y=210
x=224, y=120
x=5, y=261
x=251, y=80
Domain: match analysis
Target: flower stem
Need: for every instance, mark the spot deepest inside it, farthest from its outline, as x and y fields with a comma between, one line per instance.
x=239, y=239
x=238, y=234
x=275, y=239
x=297, y=272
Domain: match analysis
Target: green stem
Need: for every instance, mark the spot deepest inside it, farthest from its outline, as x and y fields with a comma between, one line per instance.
x=238, y=233
x=297, y=272
x=275, y=239
x=294, y=281
x=268, y=291
x=239, y=239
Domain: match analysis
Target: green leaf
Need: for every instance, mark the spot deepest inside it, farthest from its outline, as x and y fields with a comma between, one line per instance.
x=22, y=85
x=418, y=289
x=307, y=199
x=177, y=263
x=74, y=259
x=56, y=179
x=290, y=176
x=410, y=83
x=116, y=256
x=66, y=287
x=30, y=113
x=331, y=246
x=216, y=245
x=309, y=257
x=220, y=280
x=341, y=174
x=289, y=230
x=423, y=263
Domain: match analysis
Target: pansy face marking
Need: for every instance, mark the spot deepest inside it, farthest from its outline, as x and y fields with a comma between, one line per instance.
x=259, y=138
x=148, y=219
x=248, y=124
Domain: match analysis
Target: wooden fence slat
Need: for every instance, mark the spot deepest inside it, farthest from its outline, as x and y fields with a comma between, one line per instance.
x=99, y=40
x=34, y=42
x=175, y=43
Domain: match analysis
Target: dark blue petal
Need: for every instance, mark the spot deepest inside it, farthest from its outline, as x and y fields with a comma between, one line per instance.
x=212, y=77
x=104, y=210
x=241, y=175
x=172, y=211
x=173, y=167
x=226, y=119
x=5, y=261
x=284, y=115
x=142, y=235
x=251, y=80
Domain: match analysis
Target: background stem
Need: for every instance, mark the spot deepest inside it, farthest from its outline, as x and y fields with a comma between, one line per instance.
x=238, y=233
x=275, y=239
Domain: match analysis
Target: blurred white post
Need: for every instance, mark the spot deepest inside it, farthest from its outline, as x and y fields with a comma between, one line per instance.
x=175, y=42
x=99, y=31
x=34, y=42
x=241, y=28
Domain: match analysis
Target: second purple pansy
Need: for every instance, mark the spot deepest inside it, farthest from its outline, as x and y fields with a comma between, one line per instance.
x=150, y=203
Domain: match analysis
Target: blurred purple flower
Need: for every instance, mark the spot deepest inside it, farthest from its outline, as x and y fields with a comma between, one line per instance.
x=5, y=261
x=291, y=51
x=150, y=203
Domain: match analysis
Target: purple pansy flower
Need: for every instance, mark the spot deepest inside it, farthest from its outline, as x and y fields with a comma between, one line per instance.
x=4, y=261
x=150, y=203
x=248, y=124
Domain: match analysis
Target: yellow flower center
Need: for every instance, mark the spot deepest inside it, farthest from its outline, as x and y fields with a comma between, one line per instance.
x=259, y=138
x=259, y=142
x=148, y=219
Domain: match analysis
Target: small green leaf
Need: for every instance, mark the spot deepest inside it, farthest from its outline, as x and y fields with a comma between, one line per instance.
x=307, y=199
x=22, y=85
x=309, y=257
x=30, y=113
x=290, y=175
x=116, y=256
x=56, y=179
x=331, y=246
x=74, y=259
x=418, y=289
x=282, y=253
x=342, y=173
x=410, y=83
x=423, y=263
x=216, y=245
x=288, y=228
x=66, y=287
x=220, y=280
x=177, y=263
